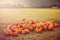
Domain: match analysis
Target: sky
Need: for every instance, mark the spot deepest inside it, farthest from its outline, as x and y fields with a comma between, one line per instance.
x=28, y=3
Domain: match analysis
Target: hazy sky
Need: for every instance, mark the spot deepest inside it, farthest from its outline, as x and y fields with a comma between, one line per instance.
x=28, y=3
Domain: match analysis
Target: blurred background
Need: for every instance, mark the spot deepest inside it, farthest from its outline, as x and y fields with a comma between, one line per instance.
x=14, y=10
x=29, y=3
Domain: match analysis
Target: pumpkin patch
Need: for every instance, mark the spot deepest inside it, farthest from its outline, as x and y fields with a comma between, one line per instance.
x=26, y=26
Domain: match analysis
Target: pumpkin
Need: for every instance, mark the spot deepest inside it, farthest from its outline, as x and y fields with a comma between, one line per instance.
x=23, y=32
x=27, y=30
x=50, y=27
x=56, y=24
x=45, y=27
x=38, y=29
x=15, y=34
x=6, y=32
x=11, y=33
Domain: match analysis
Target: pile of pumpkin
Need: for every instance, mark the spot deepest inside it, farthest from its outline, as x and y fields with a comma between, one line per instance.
x=26, y=26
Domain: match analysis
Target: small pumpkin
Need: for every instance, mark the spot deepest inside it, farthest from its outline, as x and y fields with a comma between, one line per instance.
x=38, y=29
x=50, y=27
x=15, y=34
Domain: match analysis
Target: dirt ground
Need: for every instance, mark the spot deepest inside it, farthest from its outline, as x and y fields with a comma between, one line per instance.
x=44, y=35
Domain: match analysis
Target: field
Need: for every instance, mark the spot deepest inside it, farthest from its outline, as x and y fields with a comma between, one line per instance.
x=15, y=15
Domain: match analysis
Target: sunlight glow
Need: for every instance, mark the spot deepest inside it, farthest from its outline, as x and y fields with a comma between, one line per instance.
x=13, y=3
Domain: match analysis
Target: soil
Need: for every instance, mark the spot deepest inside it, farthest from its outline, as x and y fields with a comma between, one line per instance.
x=44, y=35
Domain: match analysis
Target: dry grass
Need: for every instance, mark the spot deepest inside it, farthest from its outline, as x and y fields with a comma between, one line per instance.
x=15, y=15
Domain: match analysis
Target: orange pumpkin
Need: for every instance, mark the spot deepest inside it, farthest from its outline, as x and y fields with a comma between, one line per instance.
x=56, y=24
x=6, y=32
x=31, y=21
x=15, y=34
x=31, y=28
x=50, y=27
x=37, y=21
x=34, y=25
x=9, y=26
x=16, y=30
x=11, y=32
x=38, y=29
x=45, y=27
x=44, y=21
x=20, y=30
x=23, y=32
x=28, y=26
x=27, y=30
